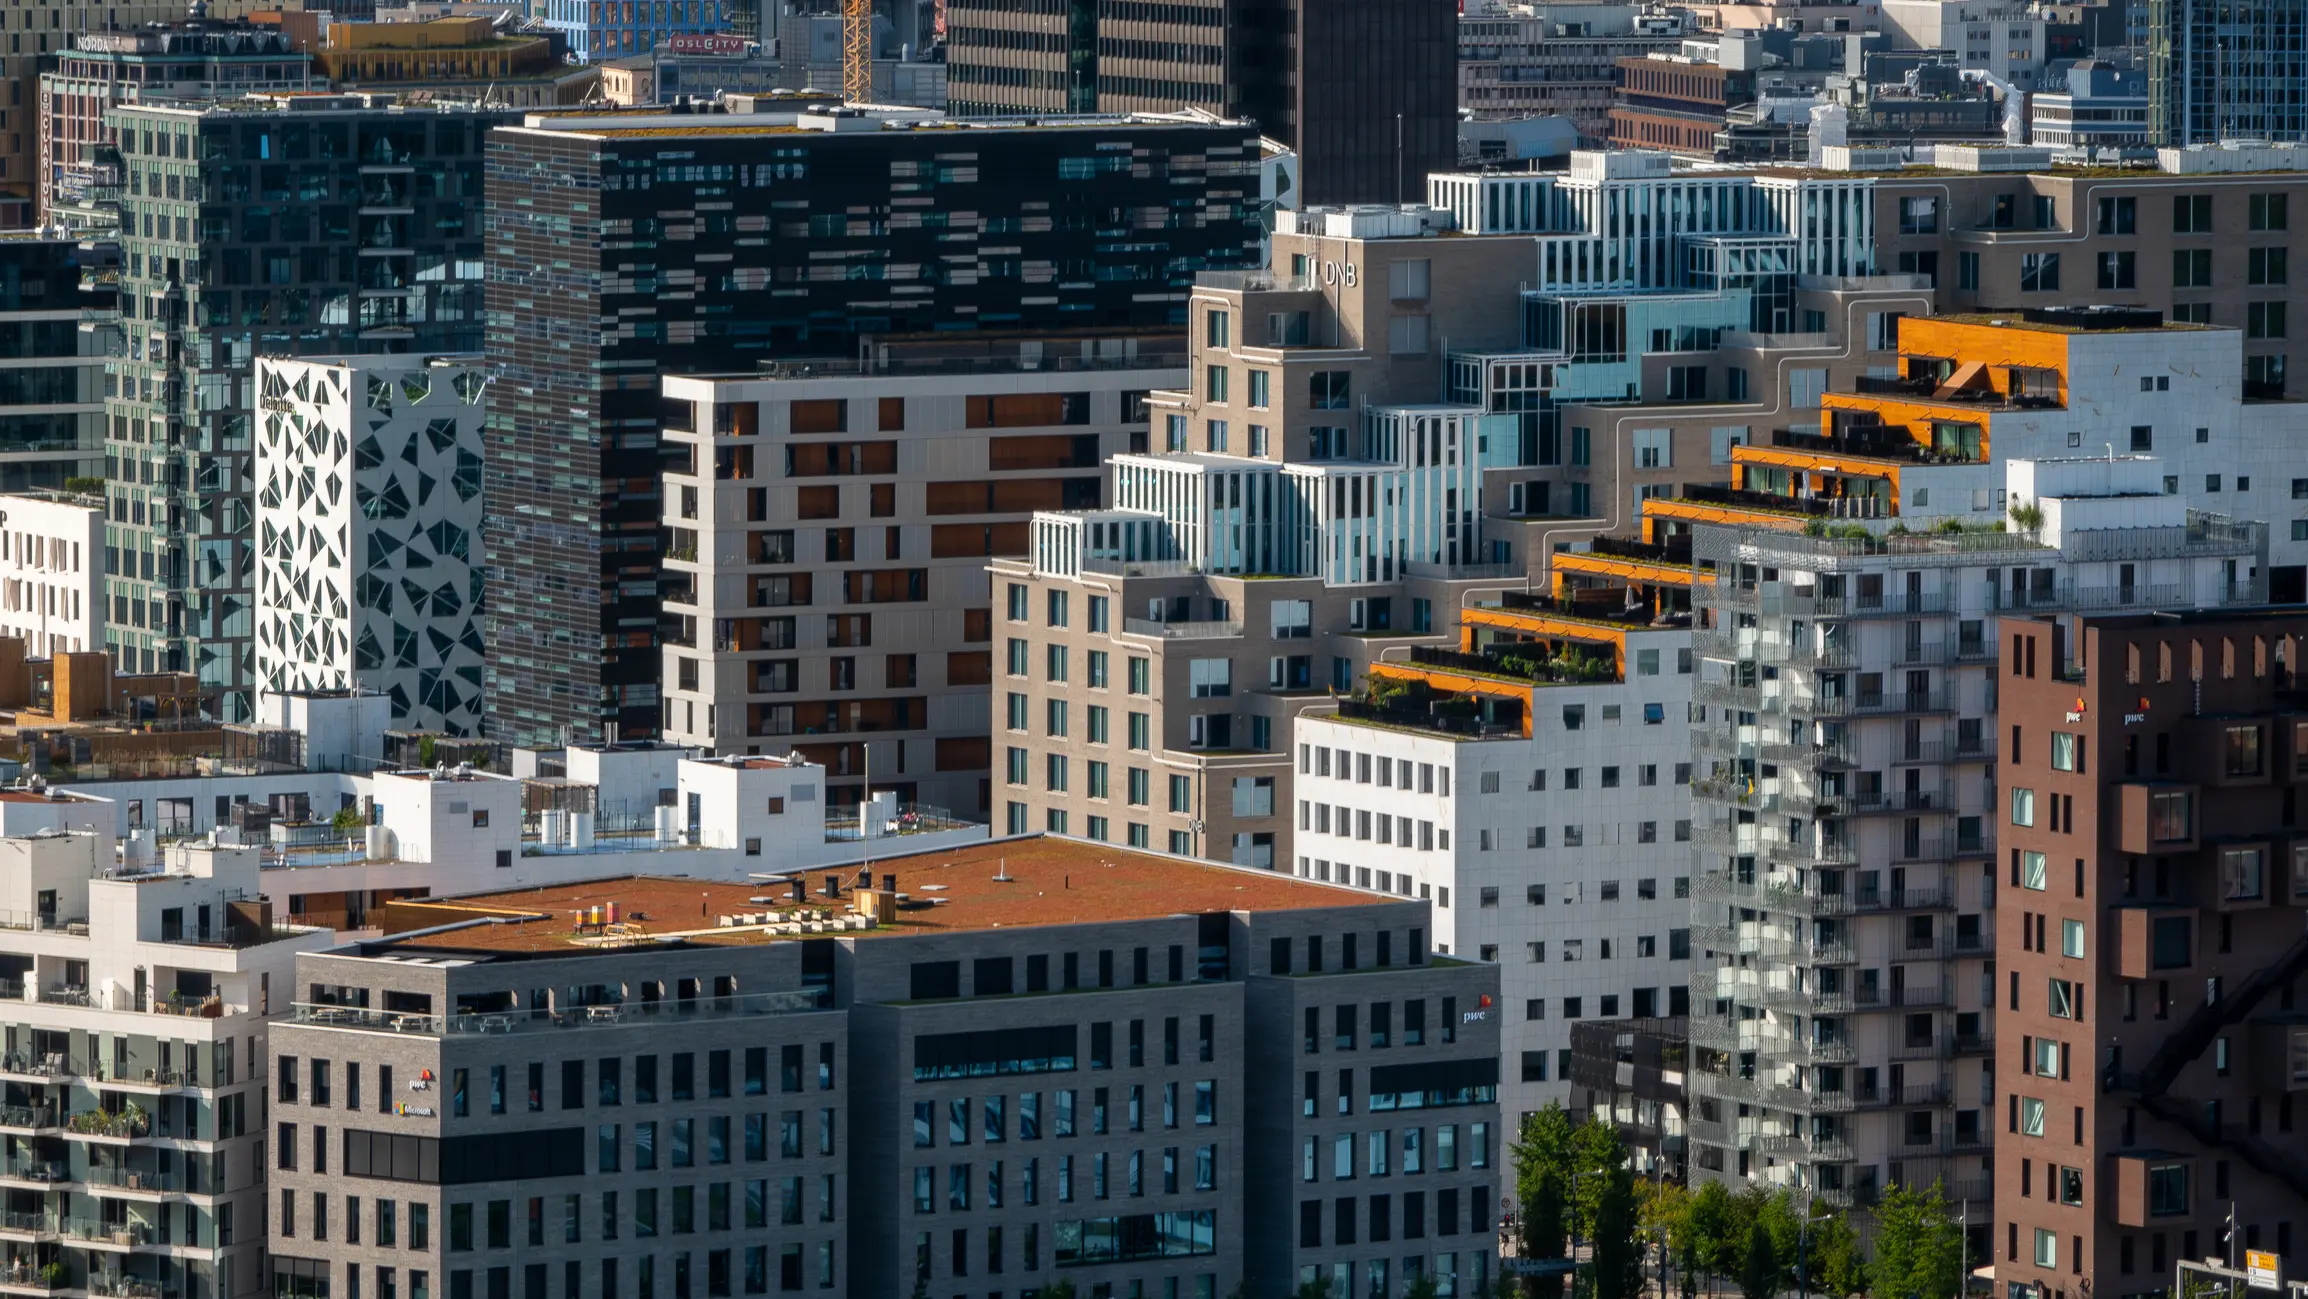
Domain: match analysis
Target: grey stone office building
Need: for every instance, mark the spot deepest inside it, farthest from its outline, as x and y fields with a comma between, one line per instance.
x=1037, y=1059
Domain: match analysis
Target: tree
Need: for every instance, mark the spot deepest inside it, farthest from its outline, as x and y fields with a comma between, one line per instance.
x=1918, y=1246
x=1663, y=1211
x=1710, y=1249
x=1423, y=1286
x=1596, y=1147
x=1542, y=1154
x=1759, y=1269
x=1837, y=1266
x=1318, y=1288
x=1618, y=1263
x=1783, y=1222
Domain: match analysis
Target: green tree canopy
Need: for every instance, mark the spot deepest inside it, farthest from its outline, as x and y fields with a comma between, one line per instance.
x=1918, y=1246
x=1759, y=1269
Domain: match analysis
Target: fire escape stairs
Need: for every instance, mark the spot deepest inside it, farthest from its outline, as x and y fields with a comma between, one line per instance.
x=2152, y=1083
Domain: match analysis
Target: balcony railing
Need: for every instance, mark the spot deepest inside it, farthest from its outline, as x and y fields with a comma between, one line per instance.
x=1181, y=630
x=608, y=1015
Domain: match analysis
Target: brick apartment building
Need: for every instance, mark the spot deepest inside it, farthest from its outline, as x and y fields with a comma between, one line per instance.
x=2148, y=948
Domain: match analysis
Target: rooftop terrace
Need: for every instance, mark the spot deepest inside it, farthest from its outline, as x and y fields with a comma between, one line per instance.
x=1047, y=881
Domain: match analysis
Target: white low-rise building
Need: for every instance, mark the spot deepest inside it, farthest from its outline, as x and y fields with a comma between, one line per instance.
x=340, y=831
x=1553, y=837
x=52, y=572
x=135, y=996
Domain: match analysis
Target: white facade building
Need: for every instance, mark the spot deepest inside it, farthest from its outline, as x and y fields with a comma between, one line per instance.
x=135, y=997
x=623, y=810
x=52, y=573
x=1563, y=855
x=368, y=475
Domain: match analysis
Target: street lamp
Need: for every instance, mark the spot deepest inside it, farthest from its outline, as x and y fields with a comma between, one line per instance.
x=1576, y=1178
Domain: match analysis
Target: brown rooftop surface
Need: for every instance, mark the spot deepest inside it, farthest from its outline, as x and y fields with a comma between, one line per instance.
x=1051, y=882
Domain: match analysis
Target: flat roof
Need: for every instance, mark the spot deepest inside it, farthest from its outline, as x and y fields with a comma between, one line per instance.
x=2013, y=320
x=1050, y=881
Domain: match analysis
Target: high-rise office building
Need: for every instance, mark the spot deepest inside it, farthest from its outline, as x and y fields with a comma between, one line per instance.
x=274, y=224
x=2226, y=71
x=1365, y=90
x=2150, y=949
x=198, y=58
x=723, y=240
x=58, y=318
x=37, y=34
x=368, y=533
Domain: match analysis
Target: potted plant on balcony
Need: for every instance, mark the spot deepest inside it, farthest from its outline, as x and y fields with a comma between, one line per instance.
x=2028, y=515
x=52, y=1275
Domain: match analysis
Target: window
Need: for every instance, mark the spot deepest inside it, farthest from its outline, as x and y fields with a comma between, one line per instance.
x=2171, y=816
x=2062, y=1005
x=1407, y=335
x=2242, y=874
x=2047, y=1247
x=2267, y=266
x=2118, y=270
x=2033, y=872
x=2031, y=1116
x=1211, y=678
x=2268, y=211
x=2118, y=216
x=2063, y=751
x=2264, y=320
x=2191, y=214
x=1409, y=279
x=2072, y=938
x=1218, y=329
x=2240, y=752
x=1919, y=216
x=2167, y=1189
x=1967, y=271
x=2191, y=268
x=1654, y=448
x=2023, y=808
x=2039, y=272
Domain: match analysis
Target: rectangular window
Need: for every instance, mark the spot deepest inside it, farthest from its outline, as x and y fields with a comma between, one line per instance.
x=2039, y=272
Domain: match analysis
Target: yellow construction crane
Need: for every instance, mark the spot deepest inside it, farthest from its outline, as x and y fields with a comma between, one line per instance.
x=857, y=50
